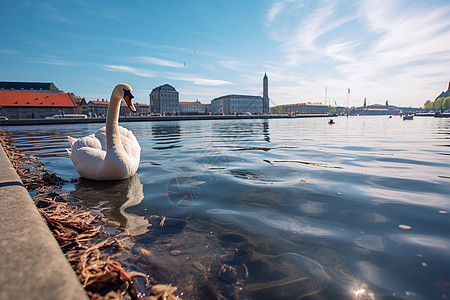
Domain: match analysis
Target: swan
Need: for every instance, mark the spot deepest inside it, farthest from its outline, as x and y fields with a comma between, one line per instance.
x=113, y=153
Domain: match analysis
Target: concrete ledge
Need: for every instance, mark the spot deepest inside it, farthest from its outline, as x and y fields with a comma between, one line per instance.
x=32, y=265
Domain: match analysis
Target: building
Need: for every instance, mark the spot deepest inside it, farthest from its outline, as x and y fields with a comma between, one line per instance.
x=164, y=100
x=305, y=108
x=444, y=94
x=237, y=104
x=29, y=86
x=141, y=109
x=97, y=108
x=80, y=104
x=30, y=105
x=22, y=100
x=265, y=94
x=382, y=109
x=100, y=109
x=194, y=108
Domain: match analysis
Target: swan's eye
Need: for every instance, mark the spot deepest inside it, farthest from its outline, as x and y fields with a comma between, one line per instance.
x=127, y=93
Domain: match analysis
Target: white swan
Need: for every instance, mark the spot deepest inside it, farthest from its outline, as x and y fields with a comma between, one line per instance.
x=113, y=153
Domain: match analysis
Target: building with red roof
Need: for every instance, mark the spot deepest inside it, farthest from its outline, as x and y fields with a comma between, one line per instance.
x=22, y=100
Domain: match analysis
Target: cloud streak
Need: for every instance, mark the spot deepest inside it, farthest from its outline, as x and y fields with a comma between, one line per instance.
x=128, y=69
x=160, y=62
x=198, y=80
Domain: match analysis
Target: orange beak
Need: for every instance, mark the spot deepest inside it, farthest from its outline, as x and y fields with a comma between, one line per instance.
x=127, y=97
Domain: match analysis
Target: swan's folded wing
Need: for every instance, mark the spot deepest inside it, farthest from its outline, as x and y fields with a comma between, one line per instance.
x=88, y=141
x=88, y=160
x=101, y=136
x=130, y=143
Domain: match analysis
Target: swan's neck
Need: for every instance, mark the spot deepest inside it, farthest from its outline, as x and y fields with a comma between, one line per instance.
x=112, y=123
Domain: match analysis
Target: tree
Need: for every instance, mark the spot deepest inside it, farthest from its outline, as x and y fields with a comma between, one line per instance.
x=428, y=104
x=276, y=110
x=438, y=103
x=446, y=103
x=332, y=109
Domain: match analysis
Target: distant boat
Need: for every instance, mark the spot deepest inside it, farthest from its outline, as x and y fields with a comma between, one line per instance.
x=408, y=117
x=331, y=121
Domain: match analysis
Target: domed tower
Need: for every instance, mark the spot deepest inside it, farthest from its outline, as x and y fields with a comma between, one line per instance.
x=265, y=94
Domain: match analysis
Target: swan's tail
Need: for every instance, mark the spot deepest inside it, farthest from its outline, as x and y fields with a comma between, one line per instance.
x=71, y=141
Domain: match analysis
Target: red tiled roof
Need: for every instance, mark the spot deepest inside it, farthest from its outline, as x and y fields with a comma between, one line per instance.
x=31, y=99
x=100, y=102
x=142, y=104
x=188, y=103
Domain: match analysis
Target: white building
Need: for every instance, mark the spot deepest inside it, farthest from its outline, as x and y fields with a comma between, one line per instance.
x=237, y=104
x=193, y=108
x=164, y=100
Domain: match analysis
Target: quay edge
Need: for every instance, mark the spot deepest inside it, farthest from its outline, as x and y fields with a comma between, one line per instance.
x=32, y=265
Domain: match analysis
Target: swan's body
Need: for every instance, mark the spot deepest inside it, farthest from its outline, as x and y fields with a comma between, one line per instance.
x=113, y=153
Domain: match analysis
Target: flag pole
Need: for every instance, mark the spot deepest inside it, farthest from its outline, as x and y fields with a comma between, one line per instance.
x=348, y=93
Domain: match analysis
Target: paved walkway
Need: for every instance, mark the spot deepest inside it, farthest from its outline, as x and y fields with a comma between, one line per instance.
x=32, y=265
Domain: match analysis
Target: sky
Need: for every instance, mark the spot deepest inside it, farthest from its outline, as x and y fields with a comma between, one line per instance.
x=311, y=50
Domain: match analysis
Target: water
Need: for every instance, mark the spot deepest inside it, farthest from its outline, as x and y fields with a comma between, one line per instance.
x=293, y=208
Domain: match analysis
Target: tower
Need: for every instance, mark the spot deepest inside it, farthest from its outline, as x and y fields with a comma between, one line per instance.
x=265, y=94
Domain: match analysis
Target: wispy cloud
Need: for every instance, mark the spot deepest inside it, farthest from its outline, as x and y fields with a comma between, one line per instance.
x=275, y=10
x=160, y=62
x=128, y=69
x=9, y=51
x=232, y=65
x=389, y=48
x=50, y=60
x=50, y=12
x=199, y=81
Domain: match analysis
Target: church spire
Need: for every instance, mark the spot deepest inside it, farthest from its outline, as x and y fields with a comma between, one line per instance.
x=265, y=99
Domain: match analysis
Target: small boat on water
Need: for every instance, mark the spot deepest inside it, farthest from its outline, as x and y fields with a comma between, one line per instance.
x=408, y=117
x=331, y=121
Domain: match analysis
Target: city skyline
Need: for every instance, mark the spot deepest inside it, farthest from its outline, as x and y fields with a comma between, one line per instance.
x=380, y=50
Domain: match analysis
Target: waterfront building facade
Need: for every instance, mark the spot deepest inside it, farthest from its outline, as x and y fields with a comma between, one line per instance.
x=29, y=100
x=31, y=105
x=97, y=109
x=304, y=108
x=237, y=104
x=164, y=100
x=189, y=108
x=141, y=109
x=380, y=109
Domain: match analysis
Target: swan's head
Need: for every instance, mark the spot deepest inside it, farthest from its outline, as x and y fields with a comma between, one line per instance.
x=123, y=91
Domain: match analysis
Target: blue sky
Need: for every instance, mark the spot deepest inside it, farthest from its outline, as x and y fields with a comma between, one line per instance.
x=382, y=50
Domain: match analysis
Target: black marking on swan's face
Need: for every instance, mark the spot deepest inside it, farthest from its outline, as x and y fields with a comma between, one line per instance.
x=127, y=93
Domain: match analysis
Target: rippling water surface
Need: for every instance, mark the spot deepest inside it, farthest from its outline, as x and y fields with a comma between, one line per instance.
x=293, y=208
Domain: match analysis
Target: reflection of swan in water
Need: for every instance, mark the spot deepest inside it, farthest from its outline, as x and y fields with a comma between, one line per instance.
x=112, y=198
x=135, y=224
